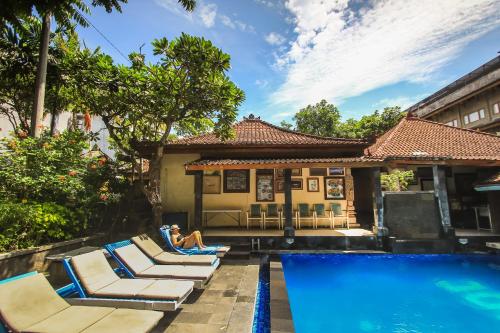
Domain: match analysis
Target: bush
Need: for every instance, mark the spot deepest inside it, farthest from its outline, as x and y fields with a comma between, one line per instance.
x=397, y=180
x=58, y=169
x=52, y=188
x=30, y=224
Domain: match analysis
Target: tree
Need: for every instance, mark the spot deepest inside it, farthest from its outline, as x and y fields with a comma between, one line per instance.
x=397, y=180
x=324, y=119
x=186, y=90
x=65, y=13
x=18, y=66
x=286, y=125
x=320, y=119
x=374, y=124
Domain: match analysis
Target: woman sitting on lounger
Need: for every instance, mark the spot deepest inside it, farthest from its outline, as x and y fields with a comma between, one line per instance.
x=186, y=242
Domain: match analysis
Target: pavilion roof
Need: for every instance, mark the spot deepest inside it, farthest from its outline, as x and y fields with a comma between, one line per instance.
x=253, y=131
x=418, y=139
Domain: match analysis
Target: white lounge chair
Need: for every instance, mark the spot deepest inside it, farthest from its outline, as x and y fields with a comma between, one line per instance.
x=29, y=304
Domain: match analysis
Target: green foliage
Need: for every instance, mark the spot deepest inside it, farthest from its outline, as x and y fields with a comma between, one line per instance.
x=324, y=119
x=56, y=169
x=321, y=119
x=286, y=125
x=372, y=125
x=52, y=188
x=25, y=224
x=65, y=12
x=18, y=66
x=397, y=180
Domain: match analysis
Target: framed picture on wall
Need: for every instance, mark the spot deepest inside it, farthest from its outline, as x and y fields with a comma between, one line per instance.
x=318, y=172
x=236, y=181
x=312, y=184
x=264, y=187
x=295, y=172
x=297, y=184
x=279, y=185
x=336, y=171
x=334, y=188
x=211, y=184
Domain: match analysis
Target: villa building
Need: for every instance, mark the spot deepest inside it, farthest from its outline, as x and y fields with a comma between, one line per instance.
x=215, y=183
x=472, y=101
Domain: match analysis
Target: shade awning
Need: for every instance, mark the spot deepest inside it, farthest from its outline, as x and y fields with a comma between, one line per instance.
x=280, y=163
x=491, y=183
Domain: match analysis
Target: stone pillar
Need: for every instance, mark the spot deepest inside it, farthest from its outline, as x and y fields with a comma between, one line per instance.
x=198, y=200
x=494, y=204
x=349, y=193
x=289, y=231
x=441, y=194
x=378, y=204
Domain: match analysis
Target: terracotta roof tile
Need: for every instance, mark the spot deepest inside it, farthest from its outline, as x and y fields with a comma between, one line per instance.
x=253, y=131
x=263, y=161
x=415, y=138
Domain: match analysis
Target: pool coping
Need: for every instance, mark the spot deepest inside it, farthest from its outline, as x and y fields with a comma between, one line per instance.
x=281, y=314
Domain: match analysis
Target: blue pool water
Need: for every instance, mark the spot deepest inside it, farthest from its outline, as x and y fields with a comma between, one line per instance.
x=394, y=293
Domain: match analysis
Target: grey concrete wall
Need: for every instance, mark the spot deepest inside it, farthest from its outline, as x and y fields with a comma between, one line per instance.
x=411, y=215
x=487, y=80
x=484, y=100
x=33, y=259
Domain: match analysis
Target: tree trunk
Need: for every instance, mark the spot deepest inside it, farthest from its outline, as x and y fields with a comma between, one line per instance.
x=41, y=77
x=153, y=190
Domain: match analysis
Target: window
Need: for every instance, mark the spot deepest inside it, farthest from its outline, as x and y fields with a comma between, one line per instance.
x=236, y=181
x=496, y=108
x=453, y=123
x=474, y=116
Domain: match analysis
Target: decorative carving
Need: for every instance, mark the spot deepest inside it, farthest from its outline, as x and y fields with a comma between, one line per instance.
x=349, y=191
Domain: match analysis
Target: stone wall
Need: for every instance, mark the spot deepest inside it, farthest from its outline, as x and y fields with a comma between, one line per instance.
x=33, y=259
x=411, y=215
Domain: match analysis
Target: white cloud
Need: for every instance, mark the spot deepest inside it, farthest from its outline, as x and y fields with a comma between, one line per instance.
x=266, y=3
x=403, y=101
x=235, y=24
x=174, y=7
x=207, y=14
x=275, y=38
x=261, y=83
x=341, y=52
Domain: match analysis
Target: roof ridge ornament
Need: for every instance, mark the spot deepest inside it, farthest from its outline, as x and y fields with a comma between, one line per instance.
x=251, y=116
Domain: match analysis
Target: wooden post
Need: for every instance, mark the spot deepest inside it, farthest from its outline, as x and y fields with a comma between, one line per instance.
x=378, y=203
x=198, y=200
x=287, y=189
x=441, y=194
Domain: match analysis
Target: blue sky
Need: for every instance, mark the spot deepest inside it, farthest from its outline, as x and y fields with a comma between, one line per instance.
x=285, y=54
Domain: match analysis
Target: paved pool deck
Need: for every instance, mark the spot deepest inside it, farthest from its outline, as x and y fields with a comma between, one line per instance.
x=226, y=304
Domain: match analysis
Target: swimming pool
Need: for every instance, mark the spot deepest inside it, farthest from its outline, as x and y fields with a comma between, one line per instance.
x=393, y=293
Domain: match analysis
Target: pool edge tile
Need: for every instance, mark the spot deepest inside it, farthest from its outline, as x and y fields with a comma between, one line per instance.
x=281, y=314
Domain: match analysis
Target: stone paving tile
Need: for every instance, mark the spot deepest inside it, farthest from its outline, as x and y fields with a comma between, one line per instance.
x=208, y=308
x=195, y=328
x=193, y=317
x=225, y=304
x=220, y=318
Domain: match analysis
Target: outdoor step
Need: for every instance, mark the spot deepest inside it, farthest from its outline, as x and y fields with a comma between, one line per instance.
x=422, y=245
x=237, y=254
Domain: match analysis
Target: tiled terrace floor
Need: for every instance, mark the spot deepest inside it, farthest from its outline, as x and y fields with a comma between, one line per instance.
x=232, y=232
x=225, y=305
